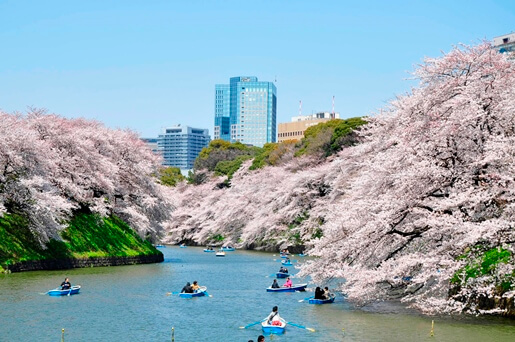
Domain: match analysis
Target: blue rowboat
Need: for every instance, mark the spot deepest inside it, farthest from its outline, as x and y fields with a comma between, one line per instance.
x=286, y=263
x=58, y=292
x=322, y=301
x=274, y=329
x=282, y=275
x=209, y=250
x=295, y=287
x=160, y=246
x=284, y=256
x=199, y=293
x=227, y=249
x=183, y=246
x=302, y=255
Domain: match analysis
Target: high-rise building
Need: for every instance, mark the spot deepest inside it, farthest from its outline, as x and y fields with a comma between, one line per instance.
x=295, y=129
x=152, y=144
x=181, y=145
x=245, y=111
x=505, y=43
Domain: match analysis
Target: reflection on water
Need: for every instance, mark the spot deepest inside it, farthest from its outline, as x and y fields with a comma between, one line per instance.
x=129, y=303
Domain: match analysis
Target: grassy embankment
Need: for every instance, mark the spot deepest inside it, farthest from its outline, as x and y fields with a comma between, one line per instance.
x=87, y=236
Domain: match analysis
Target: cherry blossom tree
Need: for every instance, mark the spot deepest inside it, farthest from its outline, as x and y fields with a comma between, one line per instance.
x=51, y=166
x=434, y=178
x=396, y=215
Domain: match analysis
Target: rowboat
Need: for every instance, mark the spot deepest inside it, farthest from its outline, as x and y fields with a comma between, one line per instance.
x=286, y=263
x=58, y=292
x=227, y=249
x=183, y=246
x=277, y=328
x=282, y=275
x=322, y=301
x=209, y=250
x=220, y=254
x=160, y=246
x=198, y=293
x=293, y=288
x=284, y=256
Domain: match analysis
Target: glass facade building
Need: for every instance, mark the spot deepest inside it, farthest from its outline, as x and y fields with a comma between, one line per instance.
x=181, y=145
x=246, y=111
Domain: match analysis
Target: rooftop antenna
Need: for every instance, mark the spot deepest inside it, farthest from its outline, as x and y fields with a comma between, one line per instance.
x=300, y=108
x=275, y=79
x=333, y=106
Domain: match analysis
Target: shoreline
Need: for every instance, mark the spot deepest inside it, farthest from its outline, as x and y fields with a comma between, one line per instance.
x=69, y=263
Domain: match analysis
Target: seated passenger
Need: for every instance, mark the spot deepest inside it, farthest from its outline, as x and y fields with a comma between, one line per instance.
x=288, y=283
x=195, y=286
x=275, y=285
x=327, y=295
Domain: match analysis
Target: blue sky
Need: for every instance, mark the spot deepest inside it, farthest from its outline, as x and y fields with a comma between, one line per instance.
x=150, y=64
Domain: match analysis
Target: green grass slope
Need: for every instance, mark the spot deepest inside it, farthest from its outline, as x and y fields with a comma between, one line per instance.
x=87, y=236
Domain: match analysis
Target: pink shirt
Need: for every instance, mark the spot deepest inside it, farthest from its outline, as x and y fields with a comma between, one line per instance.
x=288, y=283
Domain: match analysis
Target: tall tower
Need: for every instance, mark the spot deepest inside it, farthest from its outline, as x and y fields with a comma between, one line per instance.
x=246, y=111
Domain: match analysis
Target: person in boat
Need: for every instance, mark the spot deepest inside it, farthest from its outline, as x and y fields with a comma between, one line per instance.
x=327, y=295
x=273, y=317
x=195, y=286
x=319, y=293
x=283, y=270
x=261, y=338
x=287, y=260
x=187, y=288
x=66, y=285
x=288, y=283
x=275, y=285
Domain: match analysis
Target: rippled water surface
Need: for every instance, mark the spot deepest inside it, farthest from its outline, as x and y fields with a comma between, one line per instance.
x=129, y=303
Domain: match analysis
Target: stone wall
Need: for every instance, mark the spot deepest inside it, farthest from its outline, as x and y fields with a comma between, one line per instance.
x=61, y=264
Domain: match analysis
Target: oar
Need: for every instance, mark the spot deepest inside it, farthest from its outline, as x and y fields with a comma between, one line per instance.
x=252, y=324
x=300, y=326
x=173, y=293
x=307, y=298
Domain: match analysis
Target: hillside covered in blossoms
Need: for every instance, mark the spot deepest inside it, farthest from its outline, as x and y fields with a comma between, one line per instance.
x=420, y=205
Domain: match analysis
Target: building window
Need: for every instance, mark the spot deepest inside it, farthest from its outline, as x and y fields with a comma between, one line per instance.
x=505, y=40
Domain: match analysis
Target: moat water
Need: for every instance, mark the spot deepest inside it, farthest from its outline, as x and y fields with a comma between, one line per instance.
x=130, y=303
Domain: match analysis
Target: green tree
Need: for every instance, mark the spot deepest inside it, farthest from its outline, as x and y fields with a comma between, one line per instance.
x=170, y=176
x=329, y=137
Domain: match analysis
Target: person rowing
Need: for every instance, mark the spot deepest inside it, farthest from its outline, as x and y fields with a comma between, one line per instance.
x=66, y=285
x=274, y=318
x=319, y=293
x=283, y=270
x=187, y=288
